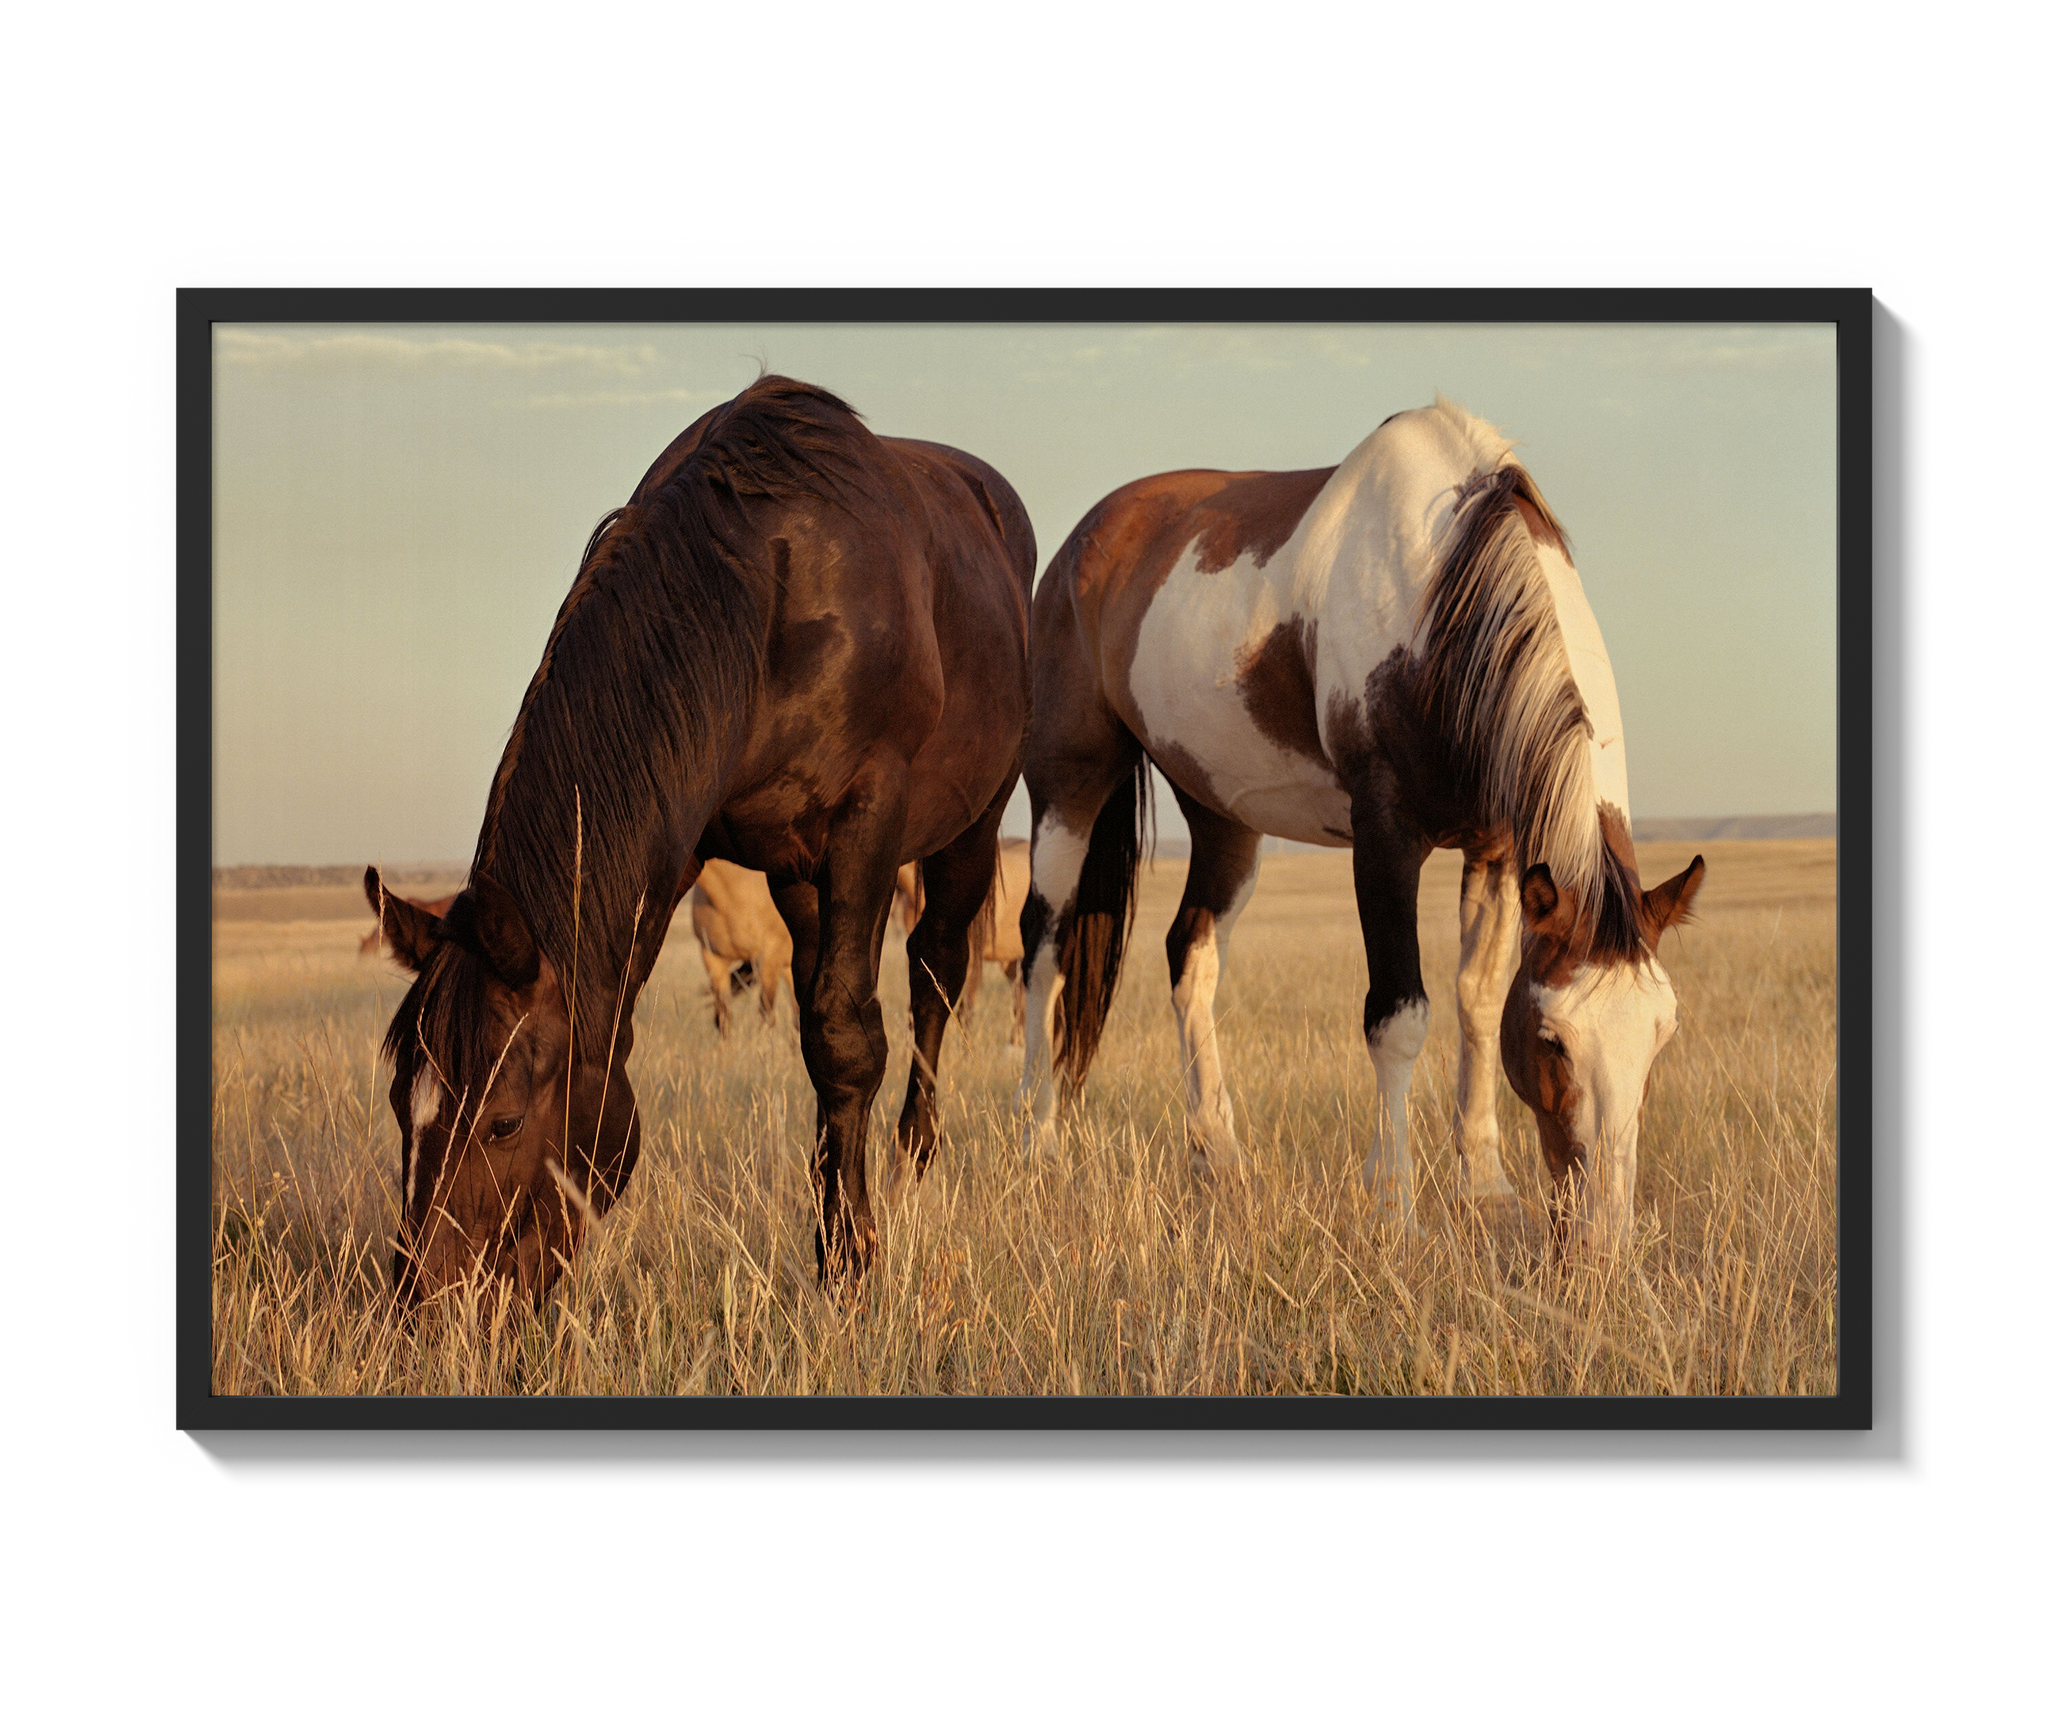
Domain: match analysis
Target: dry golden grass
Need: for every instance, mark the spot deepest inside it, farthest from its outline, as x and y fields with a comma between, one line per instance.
x=1112, y=1272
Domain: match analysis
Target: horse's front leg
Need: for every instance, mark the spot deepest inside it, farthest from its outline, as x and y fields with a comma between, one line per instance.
x=943, y=960
x=1386, y=871
x=844, y=1046
x=1223, y=869
x=1489, y=950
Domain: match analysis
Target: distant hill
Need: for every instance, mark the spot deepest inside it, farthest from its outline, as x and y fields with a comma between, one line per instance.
x=330, y=876
x=1806, y=826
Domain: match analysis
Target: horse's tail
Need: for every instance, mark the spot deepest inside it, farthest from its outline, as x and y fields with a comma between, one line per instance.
x=1093, y=937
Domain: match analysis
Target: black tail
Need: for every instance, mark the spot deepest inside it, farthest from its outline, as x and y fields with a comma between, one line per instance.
x=1093, y=936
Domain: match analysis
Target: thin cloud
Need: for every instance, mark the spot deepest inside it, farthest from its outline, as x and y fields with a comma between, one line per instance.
x=1754, y=346
x=263, y=348
x=1040, y=356
x=635, y=397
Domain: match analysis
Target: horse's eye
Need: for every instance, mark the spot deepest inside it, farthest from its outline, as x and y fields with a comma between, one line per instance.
x=505, y=1127
x=1544, y=1035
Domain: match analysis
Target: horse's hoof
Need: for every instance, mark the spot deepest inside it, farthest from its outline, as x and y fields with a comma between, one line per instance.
x=906, y=1175
x=1389, y=1210
x=1041, y=1144
x=1213, y=1160
x=1500, y=1192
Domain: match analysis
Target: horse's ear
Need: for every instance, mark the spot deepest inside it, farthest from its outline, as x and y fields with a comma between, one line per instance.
x=1546, y=908
x=486, y=918
x=410, y=931
x=1670, y=903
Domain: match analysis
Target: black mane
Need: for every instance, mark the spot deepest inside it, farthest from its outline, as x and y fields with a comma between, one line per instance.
x=649, y=676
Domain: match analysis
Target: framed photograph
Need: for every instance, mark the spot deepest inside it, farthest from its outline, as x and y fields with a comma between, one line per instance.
x=1024, y=859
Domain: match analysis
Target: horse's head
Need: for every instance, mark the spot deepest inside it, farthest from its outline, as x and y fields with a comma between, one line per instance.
x=513, y=1137
x=1581, y=1028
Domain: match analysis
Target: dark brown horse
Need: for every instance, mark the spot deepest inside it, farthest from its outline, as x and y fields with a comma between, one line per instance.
x=799, y=647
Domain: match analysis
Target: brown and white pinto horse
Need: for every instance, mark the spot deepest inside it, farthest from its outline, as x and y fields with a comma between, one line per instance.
x=799, y=647
x=740, y=935
x=1394, y=654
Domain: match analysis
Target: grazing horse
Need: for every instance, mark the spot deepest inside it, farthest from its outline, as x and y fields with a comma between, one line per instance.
x=799, y=647
x=373, y=939
x=1392, y=655
x=997, y=935
x=733, y=913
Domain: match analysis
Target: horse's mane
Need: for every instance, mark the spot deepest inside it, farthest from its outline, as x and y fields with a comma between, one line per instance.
x=445, y=1014
x=1497, y=683
x=650, y=669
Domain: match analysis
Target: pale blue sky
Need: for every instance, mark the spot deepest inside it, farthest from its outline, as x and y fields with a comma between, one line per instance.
x=398, y=511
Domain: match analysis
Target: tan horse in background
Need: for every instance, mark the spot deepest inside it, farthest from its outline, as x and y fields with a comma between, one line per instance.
x=740, y=935
x=997, y=935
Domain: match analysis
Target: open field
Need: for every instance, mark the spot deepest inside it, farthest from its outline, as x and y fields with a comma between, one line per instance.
x=1112, y=1272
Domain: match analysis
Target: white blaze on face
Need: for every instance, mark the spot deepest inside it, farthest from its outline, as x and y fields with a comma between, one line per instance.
x=1611, y=1022
x=426, y=1106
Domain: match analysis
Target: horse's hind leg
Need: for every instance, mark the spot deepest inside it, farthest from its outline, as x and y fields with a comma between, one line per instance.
x=719, y=971
x=1489, y=921
x=956, y=883
x=1069, y=787
x=1223, y=869
x=1077, y=755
